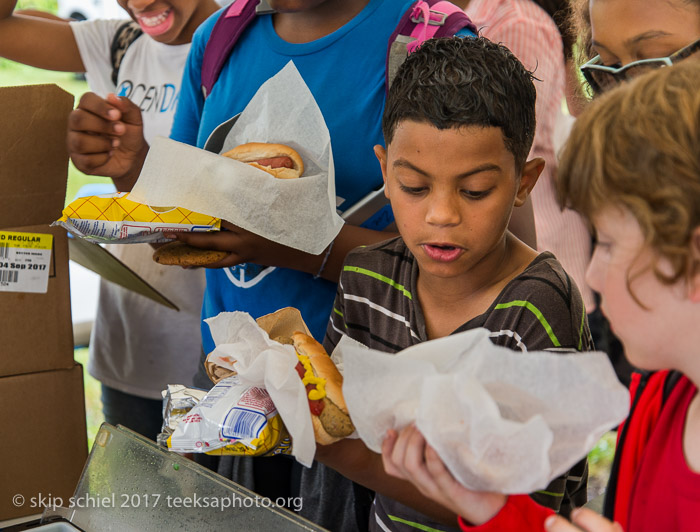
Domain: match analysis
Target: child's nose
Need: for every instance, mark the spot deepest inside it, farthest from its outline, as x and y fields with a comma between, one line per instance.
x=443, y=210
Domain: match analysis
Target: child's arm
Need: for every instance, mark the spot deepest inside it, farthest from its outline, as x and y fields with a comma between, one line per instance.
x=38, y=41
x=40, y=14
x=244, y=246
x=354, y=460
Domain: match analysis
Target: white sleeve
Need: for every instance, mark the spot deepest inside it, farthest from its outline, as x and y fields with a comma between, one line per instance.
x=94, y=40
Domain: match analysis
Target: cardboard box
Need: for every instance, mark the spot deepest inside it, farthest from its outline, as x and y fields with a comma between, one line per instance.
x=44, y=444
x=34, y=167
x=44, y=439
x=35, y=328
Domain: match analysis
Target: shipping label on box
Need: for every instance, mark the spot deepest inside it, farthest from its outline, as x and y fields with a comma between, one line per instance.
x=25, y=260
x=36, y=328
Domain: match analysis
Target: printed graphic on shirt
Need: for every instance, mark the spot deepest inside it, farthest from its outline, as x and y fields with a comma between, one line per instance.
x=150, y=99
x=247, y=275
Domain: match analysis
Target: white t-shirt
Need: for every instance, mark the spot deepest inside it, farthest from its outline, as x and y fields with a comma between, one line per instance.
x=150, y=72
x=139, y=346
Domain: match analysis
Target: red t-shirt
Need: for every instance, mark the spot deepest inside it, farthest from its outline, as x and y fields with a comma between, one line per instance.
x=666, y=493
x=519, y=513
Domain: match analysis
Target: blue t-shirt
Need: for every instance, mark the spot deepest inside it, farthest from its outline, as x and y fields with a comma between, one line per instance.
x=345, y=72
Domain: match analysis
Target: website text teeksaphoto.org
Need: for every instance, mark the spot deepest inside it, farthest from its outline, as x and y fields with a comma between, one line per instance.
x=153, y=500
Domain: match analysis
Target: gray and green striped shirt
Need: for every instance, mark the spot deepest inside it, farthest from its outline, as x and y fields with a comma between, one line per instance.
x=540, y=309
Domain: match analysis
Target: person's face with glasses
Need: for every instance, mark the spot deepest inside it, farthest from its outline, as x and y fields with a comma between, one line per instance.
x=634, y=36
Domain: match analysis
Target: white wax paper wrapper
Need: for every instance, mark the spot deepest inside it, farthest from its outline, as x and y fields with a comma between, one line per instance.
x=298, y=213
x=501, y=420
x=269, y=364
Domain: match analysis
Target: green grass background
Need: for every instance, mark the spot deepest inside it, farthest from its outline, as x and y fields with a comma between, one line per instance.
x=45, y=5
x=14, y=74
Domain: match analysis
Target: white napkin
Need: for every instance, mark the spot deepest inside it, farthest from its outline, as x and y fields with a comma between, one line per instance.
x=270, y=365
x=299, y=213
x=501, y=420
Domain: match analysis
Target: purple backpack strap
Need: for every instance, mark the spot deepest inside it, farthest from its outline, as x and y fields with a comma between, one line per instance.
x=226, y=32
x=425, y=19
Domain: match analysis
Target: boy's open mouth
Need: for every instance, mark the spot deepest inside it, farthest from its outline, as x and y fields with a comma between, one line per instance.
x=442, y=252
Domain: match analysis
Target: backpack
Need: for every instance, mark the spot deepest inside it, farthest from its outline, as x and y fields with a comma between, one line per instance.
x=126, y=34
x=665, y=381
x=423, y=20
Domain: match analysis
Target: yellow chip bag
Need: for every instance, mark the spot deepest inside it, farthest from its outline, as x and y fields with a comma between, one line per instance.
x=114, y=218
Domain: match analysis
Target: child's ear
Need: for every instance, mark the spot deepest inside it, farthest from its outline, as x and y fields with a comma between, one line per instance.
x=528, y=177
x=380, y=152
x=695, y=264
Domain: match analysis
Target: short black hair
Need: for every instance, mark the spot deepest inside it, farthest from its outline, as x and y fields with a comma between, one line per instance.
x=456, y=82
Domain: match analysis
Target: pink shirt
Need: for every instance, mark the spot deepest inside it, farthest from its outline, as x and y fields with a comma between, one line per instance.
x=531, y=34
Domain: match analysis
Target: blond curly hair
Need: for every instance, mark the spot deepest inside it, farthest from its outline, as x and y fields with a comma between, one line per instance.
x=638, y=146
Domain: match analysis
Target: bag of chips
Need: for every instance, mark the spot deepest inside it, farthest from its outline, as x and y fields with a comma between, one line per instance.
x=231, y=419
x=114, y=218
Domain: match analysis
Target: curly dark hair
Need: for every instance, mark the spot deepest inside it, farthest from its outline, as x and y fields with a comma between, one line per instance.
x=456, y=82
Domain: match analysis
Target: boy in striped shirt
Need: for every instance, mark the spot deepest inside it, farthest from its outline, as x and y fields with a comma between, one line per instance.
x=458, y=124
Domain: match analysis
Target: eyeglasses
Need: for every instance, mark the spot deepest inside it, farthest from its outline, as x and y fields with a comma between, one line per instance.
x=601, y=77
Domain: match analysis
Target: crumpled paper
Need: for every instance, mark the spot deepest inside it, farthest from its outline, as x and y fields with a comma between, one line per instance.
x=299, y=213
x=263, y=362
x=501, y=420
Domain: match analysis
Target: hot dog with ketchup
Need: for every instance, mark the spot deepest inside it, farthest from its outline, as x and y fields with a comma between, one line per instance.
x=278, y=160
x=324, y=383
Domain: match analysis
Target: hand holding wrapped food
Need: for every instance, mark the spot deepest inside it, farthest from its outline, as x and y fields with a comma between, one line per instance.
x=277, y=160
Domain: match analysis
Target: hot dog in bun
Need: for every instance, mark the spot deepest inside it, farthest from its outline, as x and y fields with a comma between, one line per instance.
x=279, y=160
x=324, y=383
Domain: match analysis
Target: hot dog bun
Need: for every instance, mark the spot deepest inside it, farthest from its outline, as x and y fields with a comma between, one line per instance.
x=333, y=423
x=258, y=153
